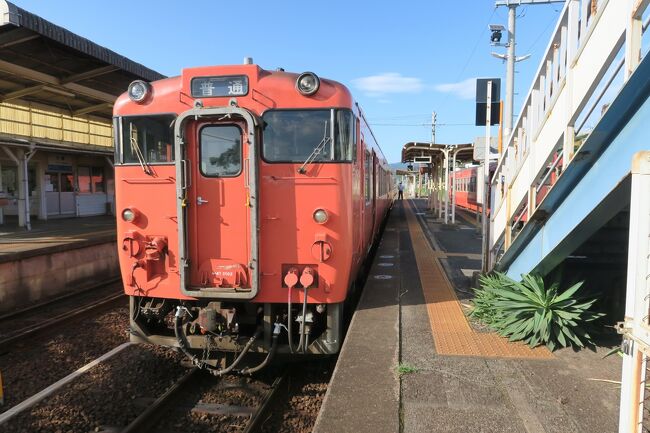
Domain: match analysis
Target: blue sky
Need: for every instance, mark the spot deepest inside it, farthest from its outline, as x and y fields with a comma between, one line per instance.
x=402, y=60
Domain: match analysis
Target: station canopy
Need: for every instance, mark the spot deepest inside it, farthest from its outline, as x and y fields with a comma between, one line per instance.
x=414, y=151
x=44, y=63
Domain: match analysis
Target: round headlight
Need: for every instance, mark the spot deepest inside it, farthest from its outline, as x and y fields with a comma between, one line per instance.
x=320, y=216
x=139, y=90
x=128, y=215
x=307, y=83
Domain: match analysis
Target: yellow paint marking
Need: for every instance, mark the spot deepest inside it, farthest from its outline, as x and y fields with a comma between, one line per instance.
x=444, y=255
x=452, y=334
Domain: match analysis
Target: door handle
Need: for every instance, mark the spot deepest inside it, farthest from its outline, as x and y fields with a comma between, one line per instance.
x=200, y=201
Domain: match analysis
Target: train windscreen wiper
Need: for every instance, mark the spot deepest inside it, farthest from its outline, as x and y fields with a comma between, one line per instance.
x=317, y=150
x=133, y=138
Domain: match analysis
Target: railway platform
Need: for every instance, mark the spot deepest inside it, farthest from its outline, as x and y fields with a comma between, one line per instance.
x=56, y=256
x=412, y=362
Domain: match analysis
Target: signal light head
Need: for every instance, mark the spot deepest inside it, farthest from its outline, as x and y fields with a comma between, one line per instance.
x=139, y=90
x=320, y=216
x=307, y=83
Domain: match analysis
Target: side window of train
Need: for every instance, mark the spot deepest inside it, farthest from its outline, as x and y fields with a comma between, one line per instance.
x=368, y=177
x=355, y=138
x=220, y=150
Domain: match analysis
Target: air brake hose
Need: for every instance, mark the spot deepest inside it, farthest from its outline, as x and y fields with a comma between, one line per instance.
x=216, y=372
x=184, y=346
x=289, y=333
x=304, y=324
x=269, y=356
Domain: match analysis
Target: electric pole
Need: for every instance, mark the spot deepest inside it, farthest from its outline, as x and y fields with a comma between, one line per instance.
x=434, y=117
x=511, y=58
x=510, y=74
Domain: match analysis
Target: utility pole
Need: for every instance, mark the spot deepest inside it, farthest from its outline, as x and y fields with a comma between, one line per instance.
x=510, y=73
x=511, y=58
x=434, y=117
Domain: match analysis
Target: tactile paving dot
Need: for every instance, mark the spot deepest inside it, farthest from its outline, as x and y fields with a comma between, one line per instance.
x=452, y=334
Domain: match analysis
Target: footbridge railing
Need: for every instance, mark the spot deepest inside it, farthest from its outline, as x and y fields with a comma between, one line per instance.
x=595, y=48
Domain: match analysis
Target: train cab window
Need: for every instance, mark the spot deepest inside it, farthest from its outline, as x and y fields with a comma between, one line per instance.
x=296, y=135
x=220, y=150
x=147, y=139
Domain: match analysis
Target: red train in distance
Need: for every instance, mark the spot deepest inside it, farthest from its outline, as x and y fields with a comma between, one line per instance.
x=466, y=182
x=248, y=201
x=466, y=186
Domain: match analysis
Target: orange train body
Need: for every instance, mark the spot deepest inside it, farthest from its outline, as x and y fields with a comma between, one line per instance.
x=230, y=185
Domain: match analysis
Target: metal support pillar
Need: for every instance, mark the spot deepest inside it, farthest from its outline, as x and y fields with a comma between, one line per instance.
x=453, y=187
x=446, y=172
x=40, y=182
x=486, y=183
x=636, y=327
x=21, y=159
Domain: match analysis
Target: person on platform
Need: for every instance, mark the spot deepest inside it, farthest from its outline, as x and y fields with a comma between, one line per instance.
x=400, y=189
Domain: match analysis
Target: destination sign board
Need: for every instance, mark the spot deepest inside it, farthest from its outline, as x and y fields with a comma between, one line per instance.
x=210, y=87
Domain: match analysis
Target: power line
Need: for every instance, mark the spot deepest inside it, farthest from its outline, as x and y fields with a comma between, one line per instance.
x=471, y=56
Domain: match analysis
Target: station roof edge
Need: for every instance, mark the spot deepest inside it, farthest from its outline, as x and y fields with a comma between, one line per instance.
x=11, y=14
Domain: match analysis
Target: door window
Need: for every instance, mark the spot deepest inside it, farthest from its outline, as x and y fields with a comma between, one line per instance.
x=67, y=182
x=220, y=150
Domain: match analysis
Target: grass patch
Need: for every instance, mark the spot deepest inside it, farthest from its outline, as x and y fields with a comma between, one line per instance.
x=404, y=368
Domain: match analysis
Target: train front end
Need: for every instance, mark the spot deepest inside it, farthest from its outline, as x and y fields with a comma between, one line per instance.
x=235, y=202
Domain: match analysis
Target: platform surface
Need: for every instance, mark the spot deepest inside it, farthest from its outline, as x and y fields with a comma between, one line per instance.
x=452, y=377
x=54, y=235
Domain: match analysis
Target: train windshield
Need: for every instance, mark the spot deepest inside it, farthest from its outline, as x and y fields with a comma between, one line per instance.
x=147, y=140
x=293, y=135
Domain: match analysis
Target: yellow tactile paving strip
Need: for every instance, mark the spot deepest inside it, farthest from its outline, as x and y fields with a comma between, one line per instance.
x=452, y=334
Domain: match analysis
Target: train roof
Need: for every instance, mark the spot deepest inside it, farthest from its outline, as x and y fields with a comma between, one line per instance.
x=266, y=90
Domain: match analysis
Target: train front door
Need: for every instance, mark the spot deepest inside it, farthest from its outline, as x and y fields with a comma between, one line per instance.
x=218, y=207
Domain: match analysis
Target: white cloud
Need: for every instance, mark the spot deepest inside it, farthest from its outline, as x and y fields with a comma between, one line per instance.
x=464, y=89
x=389, y=82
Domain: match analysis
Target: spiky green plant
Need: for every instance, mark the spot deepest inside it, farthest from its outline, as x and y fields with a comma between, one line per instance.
x=484, y=297
x=531, y=312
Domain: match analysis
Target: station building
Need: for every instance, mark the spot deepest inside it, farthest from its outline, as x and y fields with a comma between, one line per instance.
x=56, y=96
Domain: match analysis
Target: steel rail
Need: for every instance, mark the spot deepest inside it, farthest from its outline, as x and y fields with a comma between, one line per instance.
x=146, y=420
x=61, y=298
x=257, y=419
x=57, y=321
x=41, y=395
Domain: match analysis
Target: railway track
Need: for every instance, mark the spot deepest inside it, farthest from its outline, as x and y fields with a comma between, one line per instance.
x=173, y=397
x=61, y=314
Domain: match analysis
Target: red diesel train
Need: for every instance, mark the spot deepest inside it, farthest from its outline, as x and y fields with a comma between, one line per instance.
x=248, y=201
